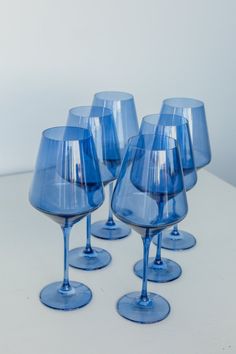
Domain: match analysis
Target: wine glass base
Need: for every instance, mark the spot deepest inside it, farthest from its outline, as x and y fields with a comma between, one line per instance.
x=100, y=258
x=181, y=242
x=100, y=229
x=78, y=297
x=130, y=308
x=163, y=273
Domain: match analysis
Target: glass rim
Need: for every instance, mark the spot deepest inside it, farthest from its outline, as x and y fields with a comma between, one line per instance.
x=85, y=111
x=47, y=132
x=118, y=95
x=188, y=102
x=134, y=138
x=184, y=120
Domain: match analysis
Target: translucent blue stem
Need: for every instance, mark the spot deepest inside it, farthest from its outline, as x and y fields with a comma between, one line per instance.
x=110, y=221
x=144, y=299
x=88, y=248
x=66, y=287
x=175, y=231
x=158, y=260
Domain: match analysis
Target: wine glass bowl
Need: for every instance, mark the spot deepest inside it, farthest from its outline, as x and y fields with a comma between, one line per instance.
x=61, y=171
x=100, y=122
x=161, y=186
x=66, y=187
x=123, y=108
x=194, y=111
x=176, y=127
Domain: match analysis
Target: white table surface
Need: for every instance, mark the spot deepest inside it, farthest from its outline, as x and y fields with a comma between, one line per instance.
x=203, y=300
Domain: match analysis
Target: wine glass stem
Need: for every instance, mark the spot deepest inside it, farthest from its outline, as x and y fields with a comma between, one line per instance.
x=146, y=245
x=158, y=259
x=175, y=231
x=110, y=221
x=88, y=247
x=65, y=287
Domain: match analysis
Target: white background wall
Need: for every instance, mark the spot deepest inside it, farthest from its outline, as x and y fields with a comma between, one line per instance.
x=55, y=54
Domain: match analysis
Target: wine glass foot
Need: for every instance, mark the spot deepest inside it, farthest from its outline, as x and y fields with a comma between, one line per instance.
x=167, y=271
x=155, y=310
x=80, y=296
x=101, y=230
x=100, y=258
x=181, y=242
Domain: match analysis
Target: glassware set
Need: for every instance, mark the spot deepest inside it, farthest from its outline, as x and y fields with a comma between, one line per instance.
x=154, y=167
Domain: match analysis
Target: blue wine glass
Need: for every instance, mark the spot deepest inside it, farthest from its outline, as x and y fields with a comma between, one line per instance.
x=150, y=179
x=100, y=122
x=124, y=112
x=162, y=269
x=193, y=110
x=66, y=187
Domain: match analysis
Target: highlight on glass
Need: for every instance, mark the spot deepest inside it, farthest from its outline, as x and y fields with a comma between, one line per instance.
x=149, y=196
x=123, y=108
x=194, y=111
x=100, y=122
x=66, y=186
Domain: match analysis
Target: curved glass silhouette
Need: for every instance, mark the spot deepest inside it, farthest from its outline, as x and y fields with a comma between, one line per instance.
x=123, y=108
x=149, y=196
x=100, y=122
x=194, y=111
x=66, y=187
x=163, y=269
